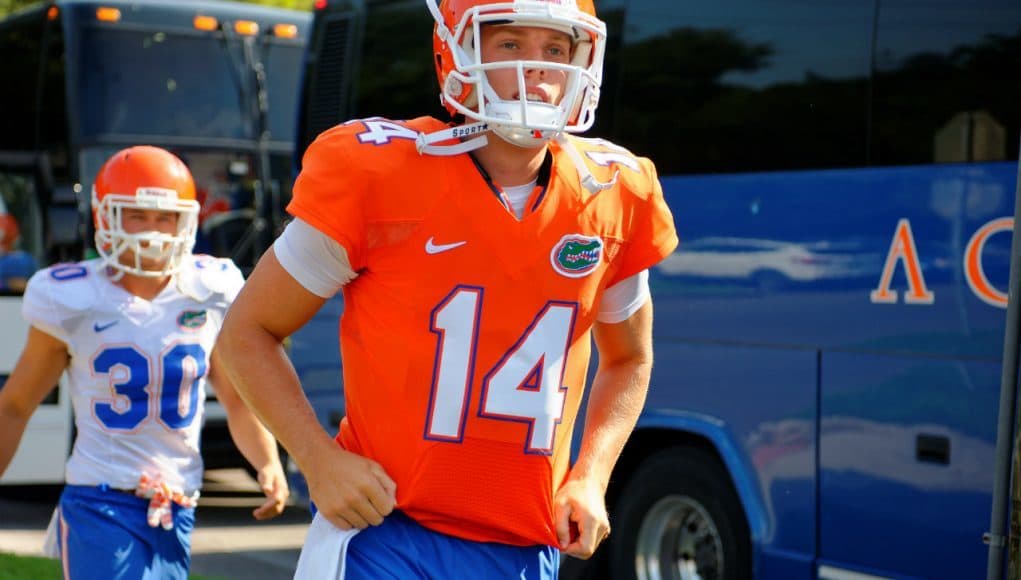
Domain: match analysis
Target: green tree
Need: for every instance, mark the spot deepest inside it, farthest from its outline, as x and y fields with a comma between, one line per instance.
x=292, y=4
x=8, y=6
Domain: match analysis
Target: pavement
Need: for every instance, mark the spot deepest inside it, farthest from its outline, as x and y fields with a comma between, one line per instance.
x=227, y=543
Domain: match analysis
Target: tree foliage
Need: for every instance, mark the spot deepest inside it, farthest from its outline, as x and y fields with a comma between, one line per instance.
x=292, y=4
x=9, y=6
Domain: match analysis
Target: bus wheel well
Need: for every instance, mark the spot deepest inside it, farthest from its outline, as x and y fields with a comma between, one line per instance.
x=678, y=513
x=644, y=443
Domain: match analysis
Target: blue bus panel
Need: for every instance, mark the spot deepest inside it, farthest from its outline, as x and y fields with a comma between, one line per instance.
x=881, y=416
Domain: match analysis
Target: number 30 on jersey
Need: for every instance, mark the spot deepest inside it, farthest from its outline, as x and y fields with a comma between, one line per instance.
x=127, y=369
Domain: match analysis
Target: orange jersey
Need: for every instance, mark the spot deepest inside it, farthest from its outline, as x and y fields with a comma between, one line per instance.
x=465, y=336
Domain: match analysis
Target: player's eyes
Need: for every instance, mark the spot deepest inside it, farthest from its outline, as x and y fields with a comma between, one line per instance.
x=559, y=52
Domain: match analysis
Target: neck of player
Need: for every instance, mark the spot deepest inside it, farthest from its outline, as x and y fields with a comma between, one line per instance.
x=143, y=287
x=507, y=164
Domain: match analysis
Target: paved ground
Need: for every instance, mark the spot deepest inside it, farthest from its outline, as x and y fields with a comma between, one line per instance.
x=227, y=542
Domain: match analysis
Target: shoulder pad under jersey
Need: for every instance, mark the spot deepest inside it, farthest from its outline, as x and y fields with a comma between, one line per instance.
x=71, y=287
x=203, y=277
x=371, y=138
x=605, y=154
x=58, y=298
x=611, y=163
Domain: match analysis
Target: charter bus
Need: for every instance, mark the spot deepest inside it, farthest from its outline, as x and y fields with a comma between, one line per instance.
x=214, y=82
x=829, y=332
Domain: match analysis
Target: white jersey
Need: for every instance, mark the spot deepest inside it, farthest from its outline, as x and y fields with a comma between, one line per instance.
x=138, y=368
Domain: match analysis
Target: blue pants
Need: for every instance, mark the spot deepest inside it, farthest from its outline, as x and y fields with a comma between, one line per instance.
x=401, y=548
x=103, y=535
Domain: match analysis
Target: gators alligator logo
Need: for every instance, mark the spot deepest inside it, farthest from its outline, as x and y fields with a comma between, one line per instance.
x=576, y=255
x=192, y=319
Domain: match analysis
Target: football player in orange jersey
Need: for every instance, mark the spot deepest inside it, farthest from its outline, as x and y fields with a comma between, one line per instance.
x=477, y=259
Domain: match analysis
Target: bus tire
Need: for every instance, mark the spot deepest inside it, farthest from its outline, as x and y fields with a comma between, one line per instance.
x=677, y=516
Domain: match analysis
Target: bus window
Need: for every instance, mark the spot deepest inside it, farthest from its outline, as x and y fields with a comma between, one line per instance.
x=283, y=58
x=163, y=81
x=397, y=78
x=943, y=92
x=145, y=81
x=710, y=87
x=21, y=48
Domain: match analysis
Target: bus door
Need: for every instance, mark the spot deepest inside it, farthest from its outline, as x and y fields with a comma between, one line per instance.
x=47, y=439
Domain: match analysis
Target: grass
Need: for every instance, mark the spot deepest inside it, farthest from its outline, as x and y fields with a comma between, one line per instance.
x=28, y=568
x=13, y=567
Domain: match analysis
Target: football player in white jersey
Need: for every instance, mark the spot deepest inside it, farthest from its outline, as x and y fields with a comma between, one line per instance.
x=134, y=329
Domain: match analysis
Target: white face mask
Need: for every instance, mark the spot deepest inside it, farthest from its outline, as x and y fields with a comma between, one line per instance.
x=520, y=121
x=125, y=251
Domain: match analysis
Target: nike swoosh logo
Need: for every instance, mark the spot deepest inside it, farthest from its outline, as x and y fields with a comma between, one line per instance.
x=101, y=327
x=432, y=248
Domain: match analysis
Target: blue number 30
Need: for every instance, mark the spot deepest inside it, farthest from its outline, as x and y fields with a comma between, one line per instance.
x=129, y=373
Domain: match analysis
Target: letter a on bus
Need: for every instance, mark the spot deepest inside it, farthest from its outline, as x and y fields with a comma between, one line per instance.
x=902, y=249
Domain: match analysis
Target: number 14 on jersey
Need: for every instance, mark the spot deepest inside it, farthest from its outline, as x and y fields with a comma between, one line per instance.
x=525, y=385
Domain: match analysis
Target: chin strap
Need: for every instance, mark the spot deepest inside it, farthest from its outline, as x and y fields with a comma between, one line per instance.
x=425, y=142
x=588, y=181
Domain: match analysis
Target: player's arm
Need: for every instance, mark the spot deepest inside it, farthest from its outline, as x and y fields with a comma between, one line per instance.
x=616, y=399
x=37, y=371
x=254, y=441
x=349, y=490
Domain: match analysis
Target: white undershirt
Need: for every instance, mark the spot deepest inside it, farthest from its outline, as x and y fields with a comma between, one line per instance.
x=517, y=197
x=321, y=266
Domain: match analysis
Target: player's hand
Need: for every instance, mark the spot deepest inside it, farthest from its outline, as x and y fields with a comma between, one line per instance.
x=580, y=515
x=351, y=491
x=274, y=484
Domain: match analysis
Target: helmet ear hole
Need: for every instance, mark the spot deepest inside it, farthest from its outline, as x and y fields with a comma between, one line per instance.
x=454, y=87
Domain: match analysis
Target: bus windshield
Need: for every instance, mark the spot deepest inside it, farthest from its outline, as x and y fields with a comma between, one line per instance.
x=179, y=83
